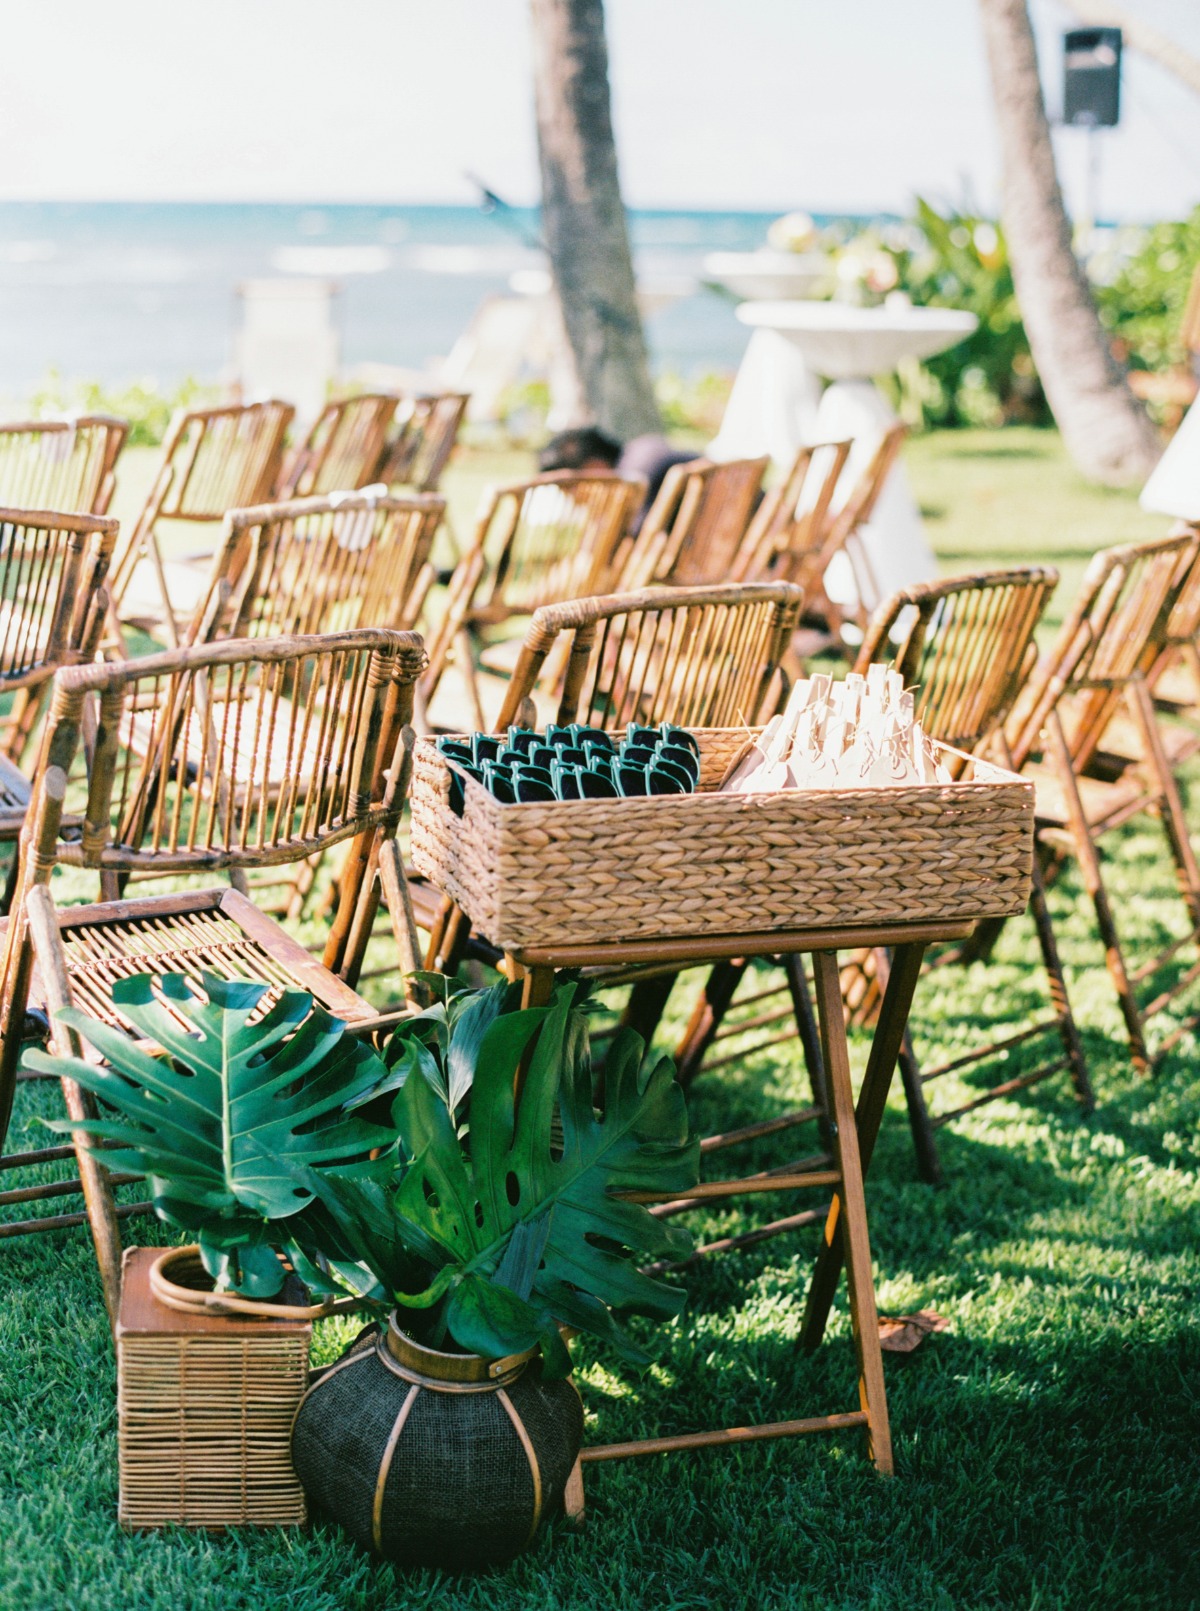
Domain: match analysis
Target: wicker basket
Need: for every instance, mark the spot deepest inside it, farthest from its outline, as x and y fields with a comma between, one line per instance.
x=569, y=873
x=204, y=1411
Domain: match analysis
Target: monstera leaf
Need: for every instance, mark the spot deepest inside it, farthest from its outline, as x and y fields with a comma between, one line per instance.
x=214, y=1123
x=522, y=1225
x=444, y=1040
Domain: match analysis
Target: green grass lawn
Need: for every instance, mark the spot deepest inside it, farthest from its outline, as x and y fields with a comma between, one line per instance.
x=1046, y=1445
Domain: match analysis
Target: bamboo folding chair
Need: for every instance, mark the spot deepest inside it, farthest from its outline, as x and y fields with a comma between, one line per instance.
x=790, y=524
x=1097, y=671
x=1174, y=683
x=61, y=464
x=338, y=704
x=213, y=460
x=966, y=646
x=52, y=571
x=693, y=531
x=842, y=536
x=536, y=542
x=320, y=564
x=345, y=448
x=421, y=438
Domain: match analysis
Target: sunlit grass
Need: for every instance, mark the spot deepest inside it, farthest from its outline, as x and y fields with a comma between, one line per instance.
x=1045, y=1444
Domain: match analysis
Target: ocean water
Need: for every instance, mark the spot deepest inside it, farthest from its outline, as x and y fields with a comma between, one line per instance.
x=118, y=292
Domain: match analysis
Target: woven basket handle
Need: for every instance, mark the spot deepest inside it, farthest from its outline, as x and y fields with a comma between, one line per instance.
x=191, y=1301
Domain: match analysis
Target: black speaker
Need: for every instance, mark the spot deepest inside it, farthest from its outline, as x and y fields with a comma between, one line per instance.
x=1092, y=77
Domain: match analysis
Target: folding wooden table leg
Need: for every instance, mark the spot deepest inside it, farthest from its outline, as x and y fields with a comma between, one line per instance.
x=810, y=1041
x=929, y=1165
x=881, y=1064
x=864, y=1320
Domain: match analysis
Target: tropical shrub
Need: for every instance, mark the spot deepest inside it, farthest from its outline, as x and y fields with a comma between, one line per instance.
x=1143, y=301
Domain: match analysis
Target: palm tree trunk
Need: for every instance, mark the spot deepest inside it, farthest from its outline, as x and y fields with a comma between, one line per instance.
x=583, y=219
x=1104, y=427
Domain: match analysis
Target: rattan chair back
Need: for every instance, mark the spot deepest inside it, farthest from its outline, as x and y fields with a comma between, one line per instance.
x=964, y=645
x=1114, y=634
x=344, y=449
x=791, y=523
x=231, y=755
x=421, y=440
x=693, y=531
x=61, y=464
x=213, y=460
x=551, y=538
x=52, y=571
x=698, y=657
x=843, y=535
x=320, y=565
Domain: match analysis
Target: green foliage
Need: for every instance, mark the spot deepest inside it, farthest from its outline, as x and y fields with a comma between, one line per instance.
x=517, y=1225
x=210, y=1122
x=1045, y=1444
x=147, y=409
x=952, y=260
x=693, y=403
x=988, y=379
x=1143, y=302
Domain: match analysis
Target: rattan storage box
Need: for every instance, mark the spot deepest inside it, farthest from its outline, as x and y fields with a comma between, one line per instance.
x=204, y=1412
x=576, y=872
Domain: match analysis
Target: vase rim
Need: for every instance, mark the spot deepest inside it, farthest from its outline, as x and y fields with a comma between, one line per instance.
x=450, y=1368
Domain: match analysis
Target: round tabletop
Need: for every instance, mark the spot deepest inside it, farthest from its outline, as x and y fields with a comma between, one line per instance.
x=767, y=274
x=844, y=342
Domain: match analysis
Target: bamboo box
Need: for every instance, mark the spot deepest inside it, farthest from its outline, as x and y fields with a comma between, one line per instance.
x=204, y=1412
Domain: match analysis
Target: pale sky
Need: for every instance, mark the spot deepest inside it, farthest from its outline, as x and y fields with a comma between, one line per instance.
x=832, y=105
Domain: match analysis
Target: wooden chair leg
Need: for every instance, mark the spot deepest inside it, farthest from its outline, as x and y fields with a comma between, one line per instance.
x=466, y=656
x=93, y=1176
x=707, y=1017
x=1057, y=984
x=1089, y=865
x=864, y=1319
x=872, y=1098
x=1171, y=810
x=573, y=1502
x=170, y=624
x=810, y=1040
x=929, y=1165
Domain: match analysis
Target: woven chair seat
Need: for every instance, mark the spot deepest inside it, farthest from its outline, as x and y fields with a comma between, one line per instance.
x=216, y=930
x=142, y=604
x=1105, y=803
x=501, y=657
x=1122, y=745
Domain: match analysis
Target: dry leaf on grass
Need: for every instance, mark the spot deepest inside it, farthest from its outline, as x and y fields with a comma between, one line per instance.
x=900, y=1334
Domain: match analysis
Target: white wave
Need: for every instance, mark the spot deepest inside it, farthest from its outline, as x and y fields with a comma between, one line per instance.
x=331, y=260
x=490, y=260
x=26, y=251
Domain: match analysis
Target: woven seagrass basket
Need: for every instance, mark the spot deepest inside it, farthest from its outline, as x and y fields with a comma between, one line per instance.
x=205, y=1403
x=711, y=863
x=436, y=1459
